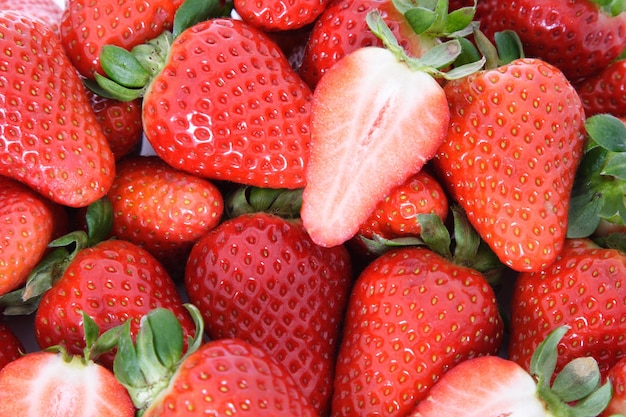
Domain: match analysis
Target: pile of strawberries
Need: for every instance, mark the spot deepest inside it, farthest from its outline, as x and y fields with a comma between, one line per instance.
x=313, y=208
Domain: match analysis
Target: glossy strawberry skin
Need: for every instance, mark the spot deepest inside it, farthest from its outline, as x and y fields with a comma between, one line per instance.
x=411, y=316
x=617, y=376
x=26, y=229
x=88, y=25
x=231, y=376
x=11, y=347
x=605, y=92
x=342, y=28
x=162, y=209
x=112, y=282
x=584, y=289
x=260, y=278
x=241, y=116
x=510, y=158
x=574, y=35
x=279, y=15
x=396, y=215
x=50, y=138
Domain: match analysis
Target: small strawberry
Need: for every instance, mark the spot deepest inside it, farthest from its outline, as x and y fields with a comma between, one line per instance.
x=397, y=214
x=11, y=347
x=605, y=92
x=162, y=210
x=279, y=15
x=490, y=386
x=54, y=383
x=88, y=25
x=412, y=315
x=582, y=289
x=26, y=229
x=220, y=377
x=120, y=122
x=514, y=143
x=579, y=37
x=261, y=279
x=617, y=377
x=378, y=116
x=50, y=138
x=242, y=116
x=49, y=11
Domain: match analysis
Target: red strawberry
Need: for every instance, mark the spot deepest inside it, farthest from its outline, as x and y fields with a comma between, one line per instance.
x=342, y=29
x=221, y=377
x=583, y=289
x=412, y=316
x=378, y=116
x=617, y=376
x=113, y=282
x=120, y=122
x=510, y=157
x=88, y=25
x=261, y=279
x=48, y=11
x=50, y=138
x=11, y=347
x=605, y=92
x=277, y=15
x=580, y=37
x=397, y=214
x=162, y=210
x=490, y=386
x=26, y=229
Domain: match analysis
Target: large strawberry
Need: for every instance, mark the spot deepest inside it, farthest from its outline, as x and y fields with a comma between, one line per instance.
x=583, y=289
x=87, y=26
x=241, y=115
x=378, y=116
x=220, y=378
x=162, y=209
x=510, y=157
x=260, y=278
x=49, y=137
x=26, y=229
x=580, y=37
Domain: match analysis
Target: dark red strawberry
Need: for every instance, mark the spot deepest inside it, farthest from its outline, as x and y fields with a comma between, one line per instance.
x=50, y=137
x=260, y=278
x=278, y=15
x=162, y=210
x=580, y=37
x=11, y=347
x=582, y=289
x=605, y=92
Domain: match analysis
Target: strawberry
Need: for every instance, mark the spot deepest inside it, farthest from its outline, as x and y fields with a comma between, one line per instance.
x=88, y=25
x=56, y=384
x=27, y=226
x=342, y=28
x=51, y=140
x=113, y=282
x=397, y=214
x=617, y=377
x=49, y=11
x=279, y=15
x=579, y=37
x=510, y=157
x=412, y=315
x=378, y=116
x=11, y=347
x=120, y=122
x=261, y=279
x=162, y=210
x=491, y=386
x=243, y=118
x=605, y=92
x=582, y=289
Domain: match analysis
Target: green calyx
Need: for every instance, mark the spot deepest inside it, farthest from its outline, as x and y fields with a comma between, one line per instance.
x=146, y=366
x=578, y=382
x=25, y=300
x=599, y=191
x=611, y=7
x=430, y=19
x=281, y=202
